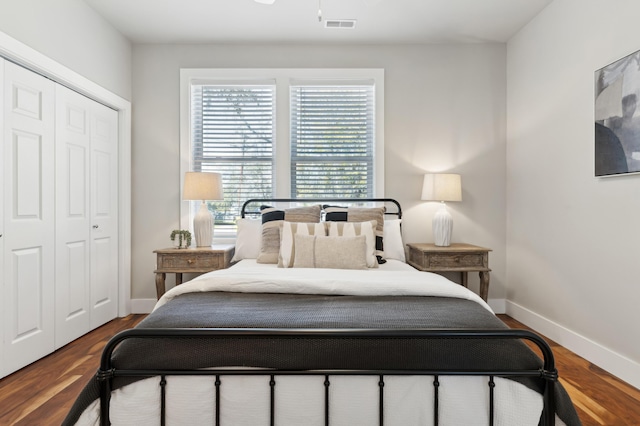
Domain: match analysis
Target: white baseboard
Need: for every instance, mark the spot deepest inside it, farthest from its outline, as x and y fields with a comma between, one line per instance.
x=142, y=306
x=616, y=364
x=498, y=305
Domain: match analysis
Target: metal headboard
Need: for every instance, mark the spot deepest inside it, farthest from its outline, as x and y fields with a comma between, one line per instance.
x=244, y=210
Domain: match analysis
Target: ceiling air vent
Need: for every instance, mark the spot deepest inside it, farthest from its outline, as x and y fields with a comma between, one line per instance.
x=345, y=24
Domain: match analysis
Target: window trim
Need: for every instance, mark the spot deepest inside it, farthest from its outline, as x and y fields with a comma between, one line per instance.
x=283, y=77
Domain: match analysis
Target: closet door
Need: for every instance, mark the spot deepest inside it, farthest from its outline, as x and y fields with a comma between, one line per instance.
x=73, y=217
x=3, y=369
x=28, y=169
x=104, y=214
x=86, y=215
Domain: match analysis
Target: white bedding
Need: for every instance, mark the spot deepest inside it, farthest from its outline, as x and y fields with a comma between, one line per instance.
x=394, y=279
x=300, y=400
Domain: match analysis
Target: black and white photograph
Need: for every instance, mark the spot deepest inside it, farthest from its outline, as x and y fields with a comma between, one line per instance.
x=617, y=132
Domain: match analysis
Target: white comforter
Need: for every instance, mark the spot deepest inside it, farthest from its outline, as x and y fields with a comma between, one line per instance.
x=248, y=278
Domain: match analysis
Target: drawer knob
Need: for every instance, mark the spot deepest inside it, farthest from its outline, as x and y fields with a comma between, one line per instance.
x=190, y=261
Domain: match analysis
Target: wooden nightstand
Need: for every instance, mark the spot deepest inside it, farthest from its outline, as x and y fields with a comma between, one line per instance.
x=191, y=260
x=458, y=257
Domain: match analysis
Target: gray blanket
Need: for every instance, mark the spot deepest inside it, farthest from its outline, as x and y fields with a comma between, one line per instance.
x=249, y=310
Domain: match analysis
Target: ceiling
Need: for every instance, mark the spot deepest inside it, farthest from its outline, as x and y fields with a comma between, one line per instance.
x=296, y=21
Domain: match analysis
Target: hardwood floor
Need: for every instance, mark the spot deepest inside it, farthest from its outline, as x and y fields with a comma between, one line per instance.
x=599, y=397
x=42, y=393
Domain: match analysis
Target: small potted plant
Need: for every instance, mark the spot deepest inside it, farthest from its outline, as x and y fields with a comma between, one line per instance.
x=181, y=238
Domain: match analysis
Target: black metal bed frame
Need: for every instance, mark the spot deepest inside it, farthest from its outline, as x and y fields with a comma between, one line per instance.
x=244, y=212
x=107, y=372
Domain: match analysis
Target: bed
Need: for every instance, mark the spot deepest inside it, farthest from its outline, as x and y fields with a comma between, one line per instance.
x=300, y=341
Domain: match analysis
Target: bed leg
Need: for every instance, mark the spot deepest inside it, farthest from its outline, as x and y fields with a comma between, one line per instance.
x=218, y=383
x=492, y=385
x=381, y=408
x=549, y=402
x=326, y=400
x=436, y=385
x=272, y=385
x=104, y=378
x=163, y=400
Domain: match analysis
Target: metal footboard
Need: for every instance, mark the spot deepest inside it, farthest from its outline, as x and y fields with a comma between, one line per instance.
x=548, y=372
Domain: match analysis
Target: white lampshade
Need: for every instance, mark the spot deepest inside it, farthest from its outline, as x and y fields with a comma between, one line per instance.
x=442, y=187
x=202, y=186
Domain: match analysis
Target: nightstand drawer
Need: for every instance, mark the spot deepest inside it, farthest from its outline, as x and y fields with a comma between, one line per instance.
x=191, y=261
x=455, y=260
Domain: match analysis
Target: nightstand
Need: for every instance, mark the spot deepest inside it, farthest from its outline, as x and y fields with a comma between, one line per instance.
x=192, y=260
x=457, y=257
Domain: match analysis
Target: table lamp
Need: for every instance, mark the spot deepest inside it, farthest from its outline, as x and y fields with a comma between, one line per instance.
x=202, y=186
x=442, y=187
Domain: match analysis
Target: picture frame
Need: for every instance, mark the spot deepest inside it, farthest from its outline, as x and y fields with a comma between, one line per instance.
x=617, y=117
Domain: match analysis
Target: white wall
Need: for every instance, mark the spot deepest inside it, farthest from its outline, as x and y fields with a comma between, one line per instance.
x=445, y=110
x=572, y=239
x=73, y=34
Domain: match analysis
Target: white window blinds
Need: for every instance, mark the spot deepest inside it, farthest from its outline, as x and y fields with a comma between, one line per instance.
x=232, y=128
x=332, y=141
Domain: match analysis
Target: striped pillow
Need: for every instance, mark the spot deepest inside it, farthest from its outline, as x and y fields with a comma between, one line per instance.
x=272, y=220
x=330, y=252
x=361, y=214
x=353, y=229
x=287, y=241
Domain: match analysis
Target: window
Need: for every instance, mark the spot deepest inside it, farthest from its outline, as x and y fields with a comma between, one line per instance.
x=332, y=140
x=232, y=134
x=282, y=133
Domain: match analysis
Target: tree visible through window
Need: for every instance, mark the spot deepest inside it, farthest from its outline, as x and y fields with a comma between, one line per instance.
x=332, y=141
x=232, y=134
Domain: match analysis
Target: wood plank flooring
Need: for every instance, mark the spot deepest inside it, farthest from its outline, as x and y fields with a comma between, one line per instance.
x=42, y=393
x=599, y=397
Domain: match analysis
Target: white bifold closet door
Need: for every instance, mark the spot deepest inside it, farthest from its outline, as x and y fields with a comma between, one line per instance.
x=2, y=301
x=28, y=216
x=86, y=215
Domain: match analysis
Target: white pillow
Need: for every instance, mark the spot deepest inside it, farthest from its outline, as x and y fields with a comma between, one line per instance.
x=248, y=239
x=287, y=241
x=353, y=229
x=393, y=246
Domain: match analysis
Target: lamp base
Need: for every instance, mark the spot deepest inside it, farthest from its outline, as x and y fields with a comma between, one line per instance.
x=442, y=226
x=203, y=227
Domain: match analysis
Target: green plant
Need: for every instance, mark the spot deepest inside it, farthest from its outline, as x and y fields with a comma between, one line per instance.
x=182, y=234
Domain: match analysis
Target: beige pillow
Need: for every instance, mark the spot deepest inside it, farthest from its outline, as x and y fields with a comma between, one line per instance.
x=272, y=220
x=330, y=252
x=353, y=229
x=287, y=241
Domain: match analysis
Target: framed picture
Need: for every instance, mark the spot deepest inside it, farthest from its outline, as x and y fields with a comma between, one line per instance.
x=617, y=117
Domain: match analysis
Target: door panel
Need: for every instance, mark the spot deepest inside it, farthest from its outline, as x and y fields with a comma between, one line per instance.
x=3, y=368
x=104, y=211
x=73, y=220
x=28, y=234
